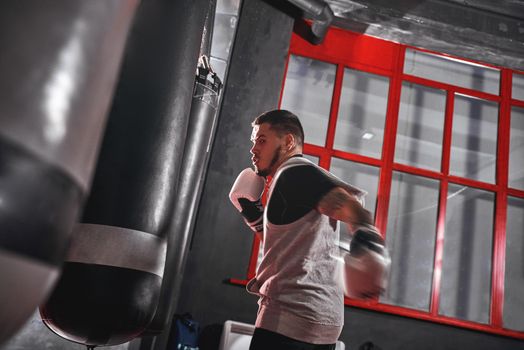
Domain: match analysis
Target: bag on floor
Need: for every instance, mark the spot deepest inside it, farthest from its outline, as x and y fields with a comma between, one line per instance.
x=184, y=333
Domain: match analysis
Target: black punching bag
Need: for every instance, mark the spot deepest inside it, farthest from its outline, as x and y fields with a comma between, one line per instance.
x=58, y=65
x=109, y=290
x=200, y=135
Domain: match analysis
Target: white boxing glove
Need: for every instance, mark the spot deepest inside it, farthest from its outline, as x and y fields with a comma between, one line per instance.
x=366, y=264
x=246, y=196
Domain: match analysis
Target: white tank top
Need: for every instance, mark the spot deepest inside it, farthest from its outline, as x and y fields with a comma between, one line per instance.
x=299, y=278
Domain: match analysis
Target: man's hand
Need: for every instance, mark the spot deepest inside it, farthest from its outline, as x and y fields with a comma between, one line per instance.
x=366, y=265
x=246, y=197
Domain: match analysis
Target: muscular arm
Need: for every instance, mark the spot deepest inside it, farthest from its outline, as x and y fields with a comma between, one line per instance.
x=367, y=262
x=338, y=204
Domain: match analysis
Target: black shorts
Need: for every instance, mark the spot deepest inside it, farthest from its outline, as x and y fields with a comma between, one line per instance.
x=267, y=340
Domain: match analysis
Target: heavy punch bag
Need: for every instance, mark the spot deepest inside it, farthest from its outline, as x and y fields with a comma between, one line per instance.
x=110, y=287
x=58, y=65
x=200, y=135
x=196, y=154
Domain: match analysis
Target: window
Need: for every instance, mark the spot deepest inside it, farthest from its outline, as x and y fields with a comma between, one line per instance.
x=438, y=142
x=362, y=113
x=308, y=91
x=420, y=126
x=410, y=237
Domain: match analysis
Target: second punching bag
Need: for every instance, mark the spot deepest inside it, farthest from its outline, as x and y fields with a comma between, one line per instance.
x=58, y=66
x=110, y=287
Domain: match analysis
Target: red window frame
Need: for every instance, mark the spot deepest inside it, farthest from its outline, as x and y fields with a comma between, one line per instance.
x=357, y=51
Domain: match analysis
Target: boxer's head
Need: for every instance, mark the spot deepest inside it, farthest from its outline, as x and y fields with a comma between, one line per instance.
x=277, y=135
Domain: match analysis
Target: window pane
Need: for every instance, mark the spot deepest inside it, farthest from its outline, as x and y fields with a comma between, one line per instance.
x=466, y=269
x=307, y=92
x=474, y=139
x=516, y=149
x=360, y=175
x=228, y=6
x=452, y=71
x=223, y=35
x=514, y=274
x=219, y=66
x=420, y=126
x=410, y=239
x=518, y=87
x=362, y=113
x=314, y=159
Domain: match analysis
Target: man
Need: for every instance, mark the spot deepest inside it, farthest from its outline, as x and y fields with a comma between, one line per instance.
x=298, y=281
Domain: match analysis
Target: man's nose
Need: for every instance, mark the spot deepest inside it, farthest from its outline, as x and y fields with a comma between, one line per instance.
x=252, y=150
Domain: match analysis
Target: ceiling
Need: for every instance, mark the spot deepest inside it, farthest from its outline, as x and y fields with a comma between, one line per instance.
x=483, y=30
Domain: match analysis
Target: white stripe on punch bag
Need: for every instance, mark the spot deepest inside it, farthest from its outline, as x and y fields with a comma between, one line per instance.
x=119, y=247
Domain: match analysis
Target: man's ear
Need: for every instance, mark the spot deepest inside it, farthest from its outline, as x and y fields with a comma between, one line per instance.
x=290, y=142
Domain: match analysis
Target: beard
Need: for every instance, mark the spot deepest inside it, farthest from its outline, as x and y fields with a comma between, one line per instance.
x=276, y=156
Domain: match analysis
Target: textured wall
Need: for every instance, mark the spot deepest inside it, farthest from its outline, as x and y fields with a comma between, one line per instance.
x=221, y=243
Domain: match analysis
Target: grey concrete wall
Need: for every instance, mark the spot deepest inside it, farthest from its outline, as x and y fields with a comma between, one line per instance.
x=391, y=332
x=221, y=242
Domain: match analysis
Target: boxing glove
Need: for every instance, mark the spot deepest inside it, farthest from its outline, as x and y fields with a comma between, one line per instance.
x=246, y=196
x=366, y=264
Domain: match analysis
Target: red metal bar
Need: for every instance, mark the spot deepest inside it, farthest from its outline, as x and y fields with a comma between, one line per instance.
x=356, y=158
x=335, y=104
x=425, y=316
x=238, y=281
x=319, y=151
x=473, y=183
x=333, y=115
x=448, y=131
x=499, y=240
x=516, y=193
x=449, y=87
x=388, y=147
x=443, y=200
x=283, y=81
x=417, y=171
x=315, y=150
x=517, y=103
x=439, y=249
x=342, y=46
x=322, y=153
x=369, y=69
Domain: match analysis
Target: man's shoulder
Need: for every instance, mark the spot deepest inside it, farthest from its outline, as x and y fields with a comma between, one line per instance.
x=301, y=172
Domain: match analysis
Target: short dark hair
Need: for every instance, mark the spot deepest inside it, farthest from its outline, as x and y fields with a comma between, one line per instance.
x=283, y=122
